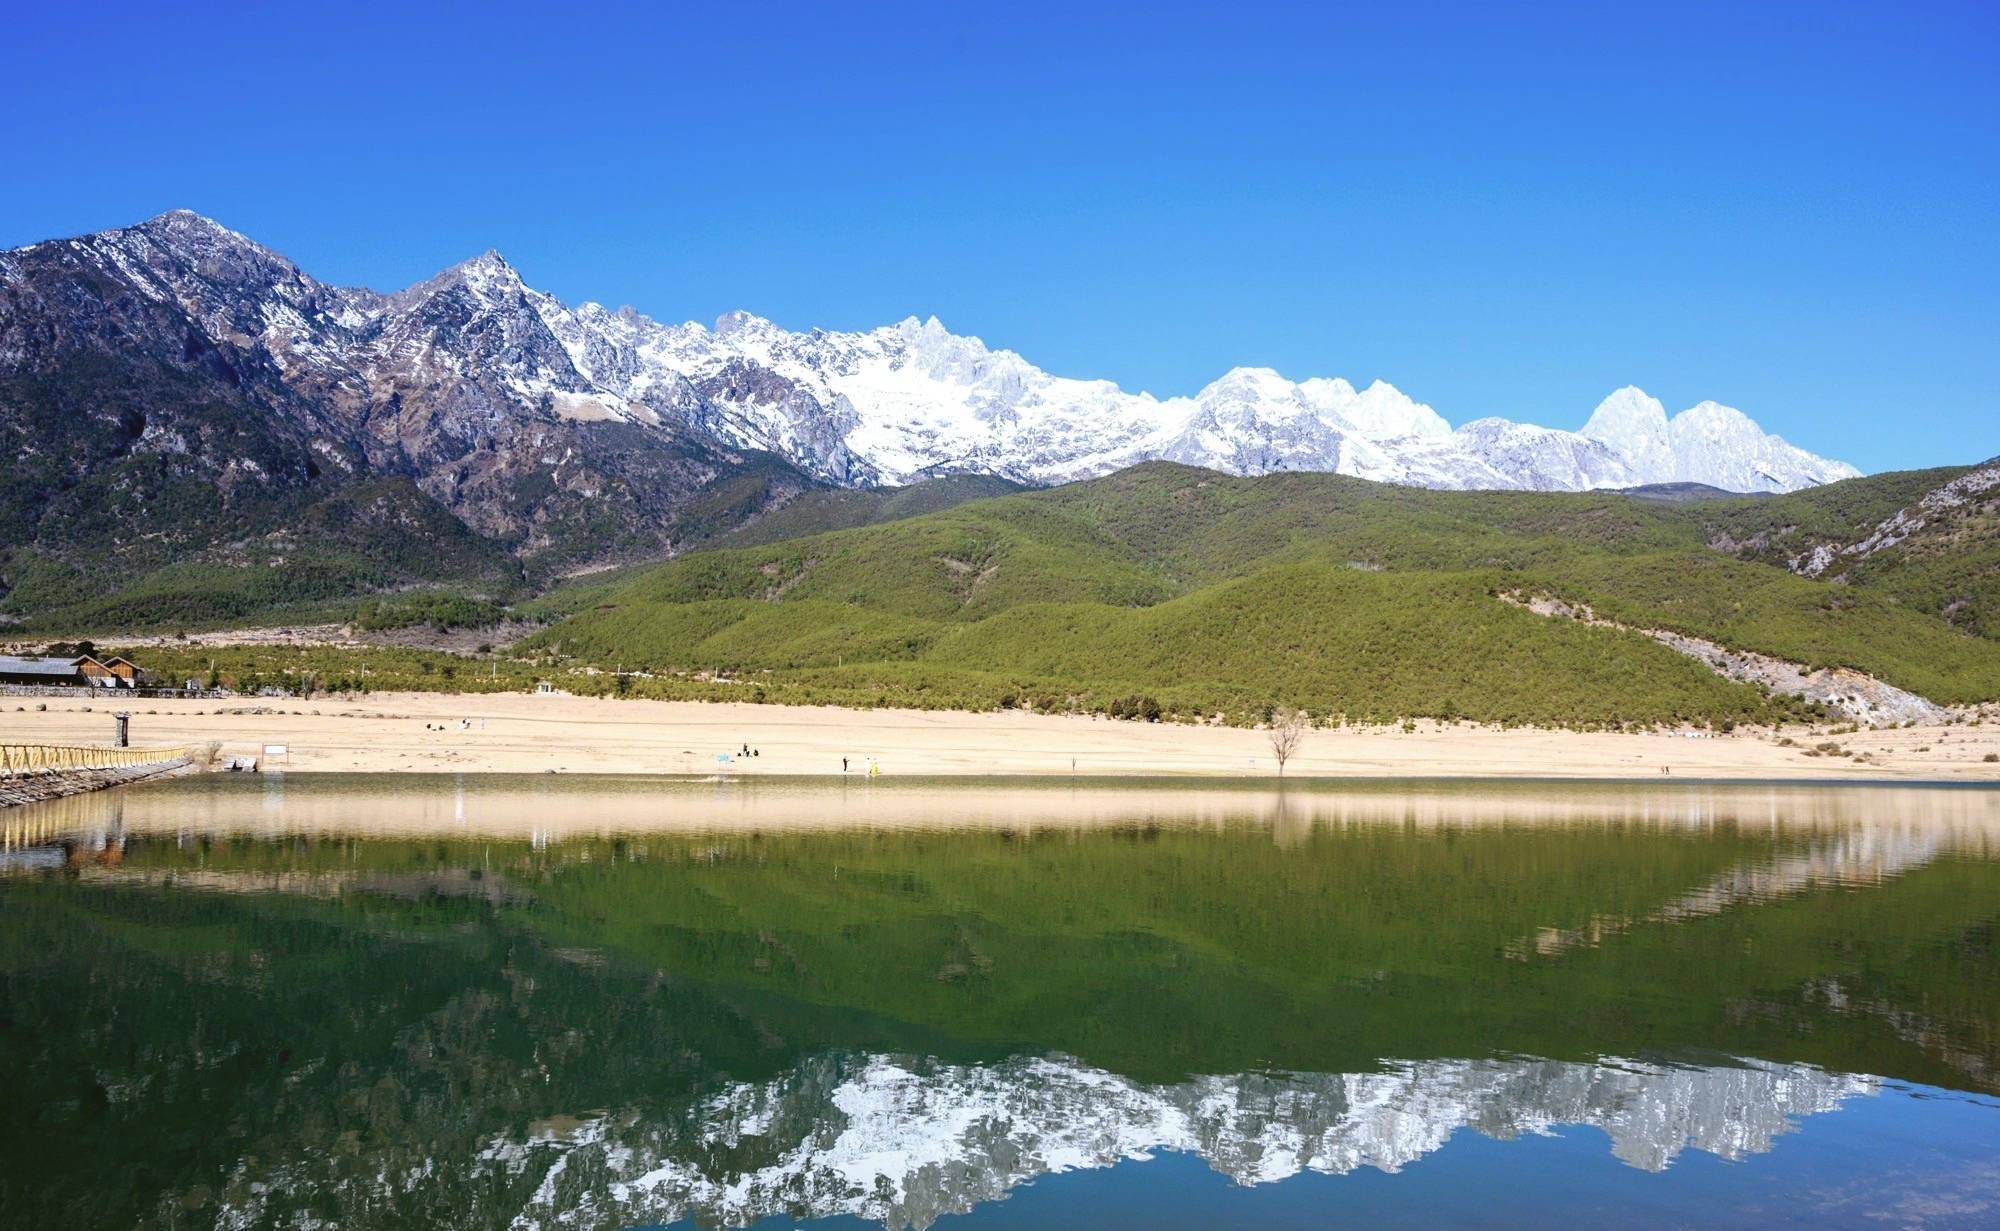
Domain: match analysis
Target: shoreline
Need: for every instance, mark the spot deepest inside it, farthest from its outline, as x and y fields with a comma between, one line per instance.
x=541, y=808
x=530, y=733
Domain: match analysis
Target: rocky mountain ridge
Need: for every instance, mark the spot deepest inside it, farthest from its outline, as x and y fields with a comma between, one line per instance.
x=912, y=400
x=892, y=404
x=206, y=391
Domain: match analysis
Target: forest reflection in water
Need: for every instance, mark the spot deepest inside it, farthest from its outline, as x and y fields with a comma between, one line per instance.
x=607, y=1002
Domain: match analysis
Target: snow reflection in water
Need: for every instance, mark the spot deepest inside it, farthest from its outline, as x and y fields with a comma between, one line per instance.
x=903, y=1141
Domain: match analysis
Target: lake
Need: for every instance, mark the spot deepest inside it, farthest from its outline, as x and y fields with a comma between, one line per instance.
x=430, y=1001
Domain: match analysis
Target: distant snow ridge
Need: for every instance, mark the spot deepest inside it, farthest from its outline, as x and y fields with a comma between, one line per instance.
x=903, y=1141
x=912, y=400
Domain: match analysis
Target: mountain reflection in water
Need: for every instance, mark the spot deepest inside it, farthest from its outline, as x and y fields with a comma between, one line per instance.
x=489, y=1003
x=904, y=1141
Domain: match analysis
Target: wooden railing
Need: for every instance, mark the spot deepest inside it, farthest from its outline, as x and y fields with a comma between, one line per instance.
x=18, y=759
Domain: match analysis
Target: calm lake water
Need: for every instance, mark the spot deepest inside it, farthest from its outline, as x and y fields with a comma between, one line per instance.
x=360, y=1002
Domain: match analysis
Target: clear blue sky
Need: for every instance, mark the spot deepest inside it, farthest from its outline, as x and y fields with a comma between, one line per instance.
x=1794, y=210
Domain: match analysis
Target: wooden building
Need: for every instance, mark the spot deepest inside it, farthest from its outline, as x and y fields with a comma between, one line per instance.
x=83, y=671
x=130, y=672
x=41, y=672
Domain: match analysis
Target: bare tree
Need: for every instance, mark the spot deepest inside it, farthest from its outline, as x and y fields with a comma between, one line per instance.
x=1288, y=727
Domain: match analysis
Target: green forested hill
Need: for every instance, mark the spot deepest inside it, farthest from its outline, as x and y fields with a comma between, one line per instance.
x=1204, y=593
x=1940, y=555
x=293, y=555
x=816, y=512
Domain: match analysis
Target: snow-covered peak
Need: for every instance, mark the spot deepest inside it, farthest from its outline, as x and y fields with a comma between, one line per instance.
x=744, y=325
x=1710, y=412
x=1327, y=392
x=1384, y=412
x=1543, y=458
x=930, y=329
x=1634, y=424
x=1627, y=407
x=913, y=399
x=1251, y=386
x=1707, y=443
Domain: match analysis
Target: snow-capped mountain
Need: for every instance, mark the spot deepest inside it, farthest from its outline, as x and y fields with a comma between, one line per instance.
x=187, y=374
x=911, y=400
x=1707, y=443
x=904, y=1140
x=220, y=396
x=888, y=405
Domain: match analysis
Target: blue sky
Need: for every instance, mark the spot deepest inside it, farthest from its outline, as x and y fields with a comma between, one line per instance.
x=1502, y=211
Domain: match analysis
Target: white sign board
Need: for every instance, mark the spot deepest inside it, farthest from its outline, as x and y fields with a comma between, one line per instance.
x=276, y=750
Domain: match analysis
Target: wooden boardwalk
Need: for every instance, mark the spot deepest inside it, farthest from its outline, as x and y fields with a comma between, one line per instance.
x=30, y=773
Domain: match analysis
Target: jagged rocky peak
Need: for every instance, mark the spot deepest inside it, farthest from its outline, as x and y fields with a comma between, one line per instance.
x=488, y=272
x=198, y=258
x=486, y=279
x=185, y=230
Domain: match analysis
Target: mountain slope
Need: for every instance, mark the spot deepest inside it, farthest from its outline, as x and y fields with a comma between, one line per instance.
x=1211, y=593
x=1930, y=538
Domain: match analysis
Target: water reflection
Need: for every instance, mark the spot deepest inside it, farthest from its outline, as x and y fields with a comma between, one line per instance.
x=470, y=1003
x=1867, y=857
x=551, y=808
x=904, y=1140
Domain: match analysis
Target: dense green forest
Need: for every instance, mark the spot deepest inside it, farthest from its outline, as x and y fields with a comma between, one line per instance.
x=1183, y=593
x=1359, y=601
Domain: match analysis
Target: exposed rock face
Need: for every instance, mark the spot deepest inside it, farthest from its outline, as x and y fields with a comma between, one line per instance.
x=1853, y=696
x=1975, y=493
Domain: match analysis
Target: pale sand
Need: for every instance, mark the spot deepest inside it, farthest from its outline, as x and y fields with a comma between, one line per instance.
x=513, y=732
